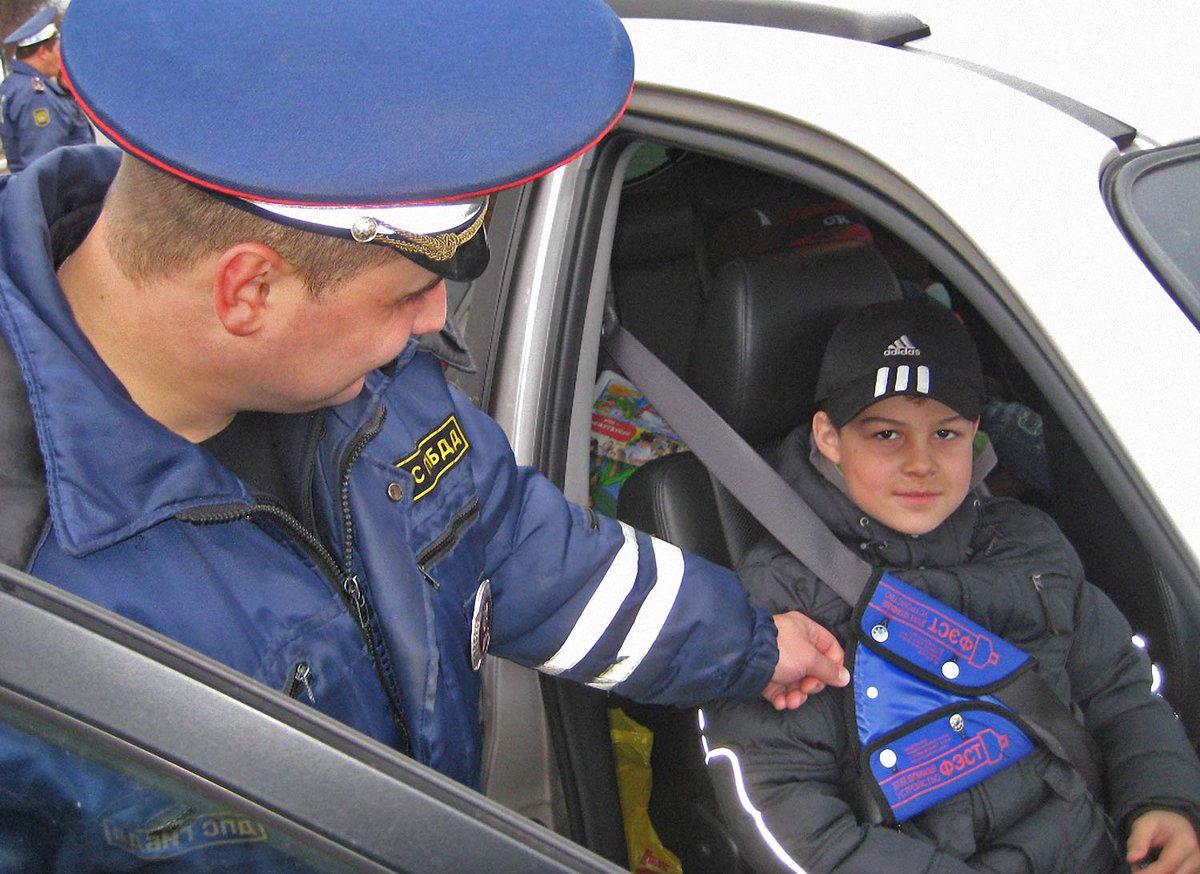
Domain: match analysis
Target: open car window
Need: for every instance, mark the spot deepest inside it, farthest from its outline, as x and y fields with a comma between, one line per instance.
x=677, y=215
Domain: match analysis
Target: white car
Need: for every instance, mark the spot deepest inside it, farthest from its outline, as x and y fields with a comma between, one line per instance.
x=814, y=145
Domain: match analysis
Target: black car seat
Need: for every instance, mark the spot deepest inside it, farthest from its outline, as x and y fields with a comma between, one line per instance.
x=754, y=359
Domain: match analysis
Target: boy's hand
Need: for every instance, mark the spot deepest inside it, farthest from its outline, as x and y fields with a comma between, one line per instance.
x=809, y=659
x=1172, y=835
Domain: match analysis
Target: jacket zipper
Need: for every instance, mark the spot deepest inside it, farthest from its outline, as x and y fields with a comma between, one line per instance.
x=431, y=554
x=342, y=575
x=351, y=594
x=350, y=581
x=299, y=682
x=1046, y=611
x=369, y=433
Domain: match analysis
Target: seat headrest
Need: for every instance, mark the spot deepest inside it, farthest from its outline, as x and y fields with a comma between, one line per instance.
x=758, y=348
x=655, y=226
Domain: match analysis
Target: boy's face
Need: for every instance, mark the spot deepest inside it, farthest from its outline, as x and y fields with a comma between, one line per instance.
x=907, y=461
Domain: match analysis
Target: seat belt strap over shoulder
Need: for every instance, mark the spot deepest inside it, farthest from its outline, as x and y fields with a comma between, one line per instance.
x=740, y=469
x=941, y=702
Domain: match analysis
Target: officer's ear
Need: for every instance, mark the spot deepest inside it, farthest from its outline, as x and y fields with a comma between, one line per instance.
x=825, y=436
x=242, y=280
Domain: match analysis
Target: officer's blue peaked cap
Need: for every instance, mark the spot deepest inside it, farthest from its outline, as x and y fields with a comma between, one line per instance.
x=39, y=28
x=384, y=121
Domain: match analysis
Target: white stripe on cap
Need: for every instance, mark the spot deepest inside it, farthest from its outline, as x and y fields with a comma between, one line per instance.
x=903, y=373
x=601, y=609
x=416, y=218
x=881, y=380
x=923, y=379
x=41, y=36
x=651, y=617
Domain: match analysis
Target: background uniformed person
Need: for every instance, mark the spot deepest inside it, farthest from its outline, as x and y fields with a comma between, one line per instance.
x=36, y=113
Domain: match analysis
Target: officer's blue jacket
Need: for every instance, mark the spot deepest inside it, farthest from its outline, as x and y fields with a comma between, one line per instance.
x=366, y=590
x=37, y=116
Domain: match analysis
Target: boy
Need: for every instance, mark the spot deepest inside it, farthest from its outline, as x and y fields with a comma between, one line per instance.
x=889, y=464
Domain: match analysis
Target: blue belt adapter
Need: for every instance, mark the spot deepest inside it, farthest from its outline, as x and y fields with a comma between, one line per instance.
x=927, y=723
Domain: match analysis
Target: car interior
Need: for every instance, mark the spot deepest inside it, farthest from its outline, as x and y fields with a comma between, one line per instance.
x=734, y=276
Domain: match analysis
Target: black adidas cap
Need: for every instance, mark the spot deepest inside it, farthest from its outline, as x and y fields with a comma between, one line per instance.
x=901, y=347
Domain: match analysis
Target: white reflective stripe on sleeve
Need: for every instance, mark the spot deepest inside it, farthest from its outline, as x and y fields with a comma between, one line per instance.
x=651, y=617
x=739, y=783
x=600, y=610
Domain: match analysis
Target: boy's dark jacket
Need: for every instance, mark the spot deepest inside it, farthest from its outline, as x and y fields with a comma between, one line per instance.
x=1009, y=568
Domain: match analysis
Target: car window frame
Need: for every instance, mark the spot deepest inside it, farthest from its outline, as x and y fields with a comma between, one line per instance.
x=1119, y=183
x=758, y=138
x=788, y=147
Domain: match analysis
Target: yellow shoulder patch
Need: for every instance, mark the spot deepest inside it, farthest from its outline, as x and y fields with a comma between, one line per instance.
x=41, y=117
x=436, y=453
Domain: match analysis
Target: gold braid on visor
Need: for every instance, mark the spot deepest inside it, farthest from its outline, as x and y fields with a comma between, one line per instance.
x=435, y=247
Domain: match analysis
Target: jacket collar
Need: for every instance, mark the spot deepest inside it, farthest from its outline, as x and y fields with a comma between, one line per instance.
x=111, y=471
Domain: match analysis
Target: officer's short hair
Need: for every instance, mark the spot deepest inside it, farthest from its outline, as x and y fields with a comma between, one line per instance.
x=160, y=225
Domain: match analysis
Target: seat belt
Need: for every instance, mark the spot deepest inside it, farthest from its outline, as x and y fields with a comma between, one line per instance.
x=789, y=519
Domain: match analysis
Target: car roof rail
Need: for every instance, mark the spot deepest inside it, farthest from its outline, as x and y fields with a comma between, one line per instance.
x=880, y=26
x=1122, y=134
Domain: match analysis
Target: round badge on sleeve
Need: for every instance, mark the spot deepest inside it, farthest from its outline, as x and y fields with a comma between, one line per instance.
x=481, y=624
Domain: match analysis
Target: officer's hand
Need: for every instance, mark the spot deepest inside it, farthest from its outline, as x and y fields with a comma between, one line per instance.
x=1167, y=835
x=809, y=659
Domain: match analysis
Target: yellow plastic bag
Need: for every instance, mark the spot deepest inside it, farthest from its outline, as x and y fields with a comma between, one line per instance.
x=632, y=743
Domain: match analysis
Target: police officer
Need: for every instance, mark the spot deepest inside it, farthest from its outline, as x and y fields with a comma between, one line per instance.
x=247, y=444
x=36, y=113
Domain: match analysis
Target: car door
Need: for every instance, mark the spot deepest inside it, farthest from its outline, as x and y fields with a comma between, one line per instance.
x=242, y=777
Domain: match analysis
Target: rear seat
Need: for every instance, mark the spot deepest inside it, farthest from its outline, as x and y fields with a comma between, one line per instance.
x=754, y=359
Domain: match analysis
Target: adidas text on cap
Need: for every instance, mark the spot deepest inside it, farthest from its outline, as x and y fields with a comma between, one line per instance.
x=903, y=347
x=388, y=122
